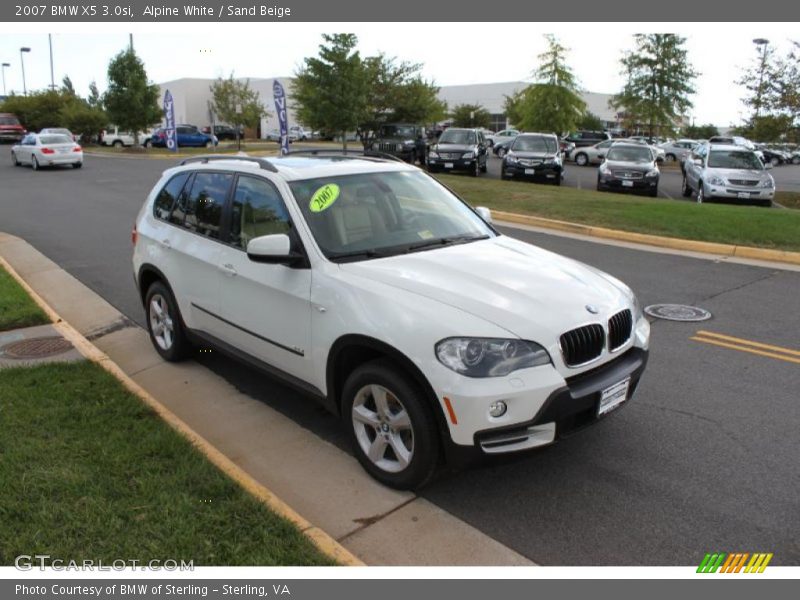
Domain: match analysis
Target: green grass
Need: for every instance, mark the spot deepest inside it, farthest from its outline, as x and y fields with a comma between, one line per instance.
x=788, y=199
x=728, y=224
x=88, y=471
x=16, y=308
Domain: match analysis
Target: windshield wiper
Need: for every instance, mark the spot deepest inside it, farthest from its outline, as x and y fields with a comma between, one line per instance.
x=357, y=254
x=446, y=241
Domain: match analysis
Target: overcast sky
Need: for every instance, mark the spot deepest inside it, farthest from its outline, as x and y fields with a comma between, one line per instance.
x=452, y=53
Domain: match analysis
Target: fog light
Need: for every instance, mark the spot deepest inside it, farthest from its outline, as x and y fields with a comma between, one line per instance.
x=497, y=409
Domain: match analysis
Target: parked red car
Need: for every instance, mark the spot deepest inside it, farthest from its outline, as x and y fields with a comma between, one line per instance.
x=10, y=128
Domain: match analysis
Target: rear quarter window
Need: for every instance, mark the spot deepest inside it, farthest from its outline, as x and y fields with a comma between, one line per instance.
x=165, y=201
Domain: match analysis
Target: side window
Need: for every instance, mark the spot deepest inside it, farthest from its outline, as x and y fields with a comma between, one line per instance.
x=162, y=207
x=201, y=208
x=258, y=209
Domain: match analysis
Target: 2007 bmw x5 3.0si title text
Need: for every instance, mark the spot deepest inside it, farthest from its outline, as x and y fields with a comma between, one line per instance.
x=374, y=288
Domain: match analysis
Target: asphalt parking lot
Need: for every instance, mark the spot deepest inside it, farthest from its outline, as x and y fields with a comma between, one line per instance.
x=704, y=458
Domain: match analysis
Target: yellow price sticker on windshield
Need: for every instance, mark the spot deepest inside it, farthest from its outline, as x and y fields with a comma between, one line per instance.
x=324, y=197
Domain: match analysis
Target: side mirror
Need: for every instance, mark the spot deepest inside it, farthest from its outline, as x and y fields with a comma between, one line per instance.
x=484, y=213
x=275, y=249
x=601, y=156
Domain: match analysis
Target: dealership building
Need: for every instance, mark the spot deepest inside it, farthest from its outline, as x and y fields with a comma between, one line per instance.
x=193, y=101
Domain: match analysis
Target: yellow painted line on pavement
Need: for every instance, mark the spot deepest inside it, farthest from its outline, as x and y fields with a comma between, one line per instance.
x=749, y=346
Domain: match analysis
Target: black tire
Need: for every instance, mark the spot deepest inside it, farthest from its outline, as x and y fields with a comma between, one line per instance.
x=403, y=393
x=117, y=144
x=686, y=191
x=485, y=166
x=503, y=176
x=209, y=144
x=700, y=197
x=475, y=170
x=653, y=193
x=77, y=165
x=179, y=347
x=600, y=187
x=775, y=161
x=14, y=160
x=669, y=157
x=148, y=143
x=35, y=163
x=501, y=152
x=581, y=159
x=796, y=160
x=558, y=179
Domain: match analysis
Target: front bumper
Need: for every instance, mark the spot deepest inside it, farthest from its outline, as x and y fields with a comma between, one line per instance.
x=541, y=172
x=739, y=193
x=459, y=164
x=628, y=185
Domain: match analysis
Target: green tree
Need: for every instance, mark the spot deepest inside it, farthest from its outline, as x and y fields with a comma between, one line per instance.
x=470, y=115
x=131, y=101
x=83, y=119
x=553, y=103
x=766, y=128
x=330, y=90
x=760, y=82
x=94, y=99
x=699, y=132
x=396, y=92
x=67, y=87
x=659, y=82
x=38, y=109
x=787, y=85
x=236, y=103
x=513, y=107
x=590, y=121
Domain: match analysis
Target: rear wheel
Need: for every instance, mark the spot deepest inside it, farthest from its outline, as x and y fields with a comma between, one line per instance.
x=670, y=158
x=165, y=324
x=390, y=425
x=775, y=161
x=796, y=160
x=77, y=165
x=117, y=144
x=581, y=159
x=501, y=152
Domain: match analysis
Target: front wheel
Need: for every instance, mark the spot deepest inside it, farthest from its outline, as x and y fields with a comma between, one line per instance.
x=671, y=158
x=390, y=425
x=476, y=169
x=501, y=152
x=701, y=195
x=485, y=166
x=14, y=160
x=209, y=144
x=165, y=324
x=654, y=192
x=148, y=143
x=775, y=161
x=686, y=190
x=35, y=163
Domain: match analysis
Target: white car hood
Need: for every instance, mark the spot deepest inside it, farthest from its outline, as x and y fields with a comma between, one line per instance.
x=528, y=291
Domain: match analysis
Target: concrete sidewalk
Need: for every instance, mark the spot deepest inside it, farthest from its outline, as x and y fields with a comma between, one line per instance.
x=322, y=483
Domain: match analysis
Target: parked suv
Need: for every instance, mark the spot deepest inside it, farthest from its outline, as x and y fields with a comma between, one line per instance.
x=722, y=171
x=534, y=156
x=403, y=140
x=459, y=150
x=368, y=285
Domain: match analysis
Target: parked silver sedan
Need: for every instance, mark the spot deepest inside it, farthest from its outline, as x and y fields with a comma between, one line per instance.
x=591, y=155
x=47, y=150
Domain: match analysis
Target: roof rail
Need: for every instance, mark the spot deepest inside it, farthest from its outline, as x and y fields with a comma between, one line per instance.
x=365, y=154
x=207, y=158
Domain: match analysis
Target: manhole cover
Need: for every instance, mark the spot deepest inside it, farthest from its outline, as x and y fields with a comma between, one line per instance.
x=36, y=347
x=677, y=312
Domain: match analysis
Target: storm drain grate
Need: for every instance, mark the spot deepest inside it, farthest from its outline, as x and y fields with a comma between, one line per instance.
x=677, y=312
x=41, y=347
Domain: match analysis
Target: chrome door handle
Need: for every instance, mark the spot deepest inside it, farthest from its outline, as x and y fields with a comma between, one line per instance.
x=166, y=244
x=228, y=269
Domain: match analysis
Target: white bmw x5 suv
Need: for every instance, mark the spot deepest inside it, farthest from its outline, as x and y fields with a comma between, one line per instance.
x=374, y=288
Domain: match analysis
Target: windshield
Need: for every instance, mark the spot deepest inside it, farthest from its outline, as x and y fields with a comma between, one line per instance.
x=8, y=121
x=371, y=215
x=734, y=159
x=630, y=154
x=398, y=131
x=524, y=143
x=54, y=139
x=458, y=136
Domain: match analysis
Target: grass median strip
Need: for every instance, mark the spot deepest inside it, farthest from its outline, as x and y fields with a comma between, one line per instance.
x=727, y=224
x=89, y=471
x=17, y=310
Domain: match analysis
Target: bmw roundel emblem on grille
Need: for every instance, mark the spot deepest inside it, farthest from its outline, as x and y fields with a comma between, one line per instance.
x=592, y=309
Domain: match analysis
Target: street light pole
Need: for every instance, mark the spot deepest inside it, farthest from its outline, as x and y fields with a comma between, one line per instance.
x=763, y=43
x=52, y=78
x=4, y=78
x=22, y=62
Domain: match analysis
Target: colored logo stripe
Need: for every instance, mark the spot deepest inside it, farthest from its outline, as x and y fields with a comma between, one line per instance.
x=734, y=562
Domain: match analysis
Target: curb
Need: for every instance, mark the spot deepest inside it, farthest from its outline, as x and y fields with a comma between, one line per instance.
x=783, y=256
x=323, y=541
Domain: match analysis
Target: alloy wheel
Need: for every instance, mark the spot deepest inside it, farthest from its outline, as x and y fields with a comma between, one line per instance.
x=383, y=428
x=161, y=323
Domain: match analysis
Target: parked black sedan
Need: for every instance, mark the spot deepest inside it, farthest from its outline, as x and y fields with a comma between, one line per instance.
x=534, y=156
x=629, y=167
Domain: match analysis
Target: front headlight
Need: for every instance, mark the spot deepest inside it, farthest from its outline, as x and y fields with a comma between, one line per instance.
x=489, y=357
x=468, y=155
x=604, y=168
x=767, y=183
x=716, y=180
x=433, y=154
x=511, y=157
x=652, y=173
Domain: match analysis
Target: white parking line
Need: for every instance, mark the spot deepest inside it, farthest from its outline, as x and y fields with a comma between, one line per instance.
x=667, y=195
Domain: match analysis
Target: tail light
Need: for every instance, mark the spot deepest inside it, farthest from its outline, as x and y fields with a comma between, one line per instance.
x=134, y=235
x=77, y=149
x=48, y=151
